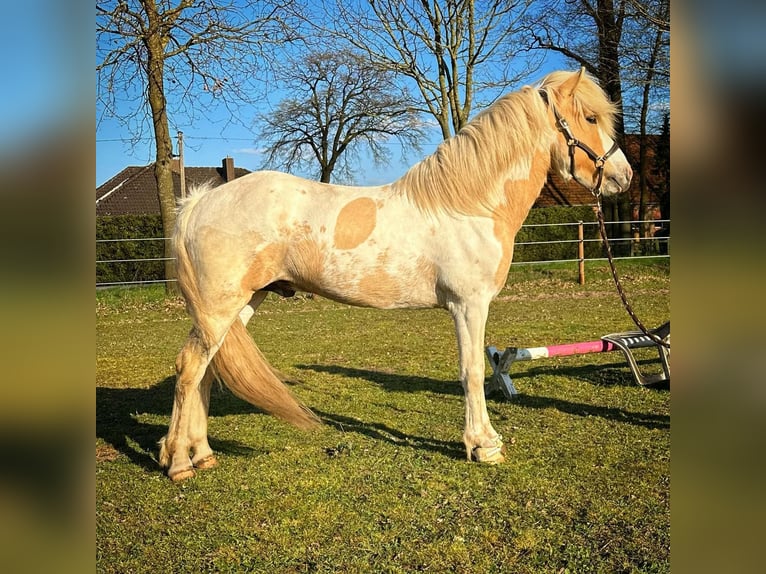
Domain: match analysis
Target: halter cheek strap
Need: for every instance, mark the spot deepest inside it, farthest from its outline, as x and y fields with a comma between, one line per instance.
x=572, y=143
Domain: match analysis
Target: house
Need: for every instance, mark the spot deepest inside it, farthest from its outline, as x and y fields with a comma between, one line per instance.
x=557, y=192
x=133, y=191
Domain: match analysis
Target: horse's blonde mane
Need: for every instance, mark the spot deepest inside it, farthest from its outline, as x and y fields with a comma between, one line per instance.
x=461, y=175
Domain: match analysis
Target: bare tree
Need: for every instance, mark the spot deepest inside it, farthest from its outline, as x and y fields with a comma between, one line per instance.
x=662, y=170
x=656, y=16
x=338, y=103
x=646, y=59
x=156, y=58
x=451, y=50
x=589, y=33
x=623, y=43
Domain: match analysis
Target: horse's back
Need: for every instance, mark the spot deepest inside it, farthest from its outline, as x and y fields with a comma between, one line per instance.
x=269, y=199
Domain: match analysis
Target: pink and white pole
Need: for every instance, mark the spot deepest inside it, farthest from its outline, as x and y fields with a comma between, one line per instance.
x=533, y=353
x=625, y=342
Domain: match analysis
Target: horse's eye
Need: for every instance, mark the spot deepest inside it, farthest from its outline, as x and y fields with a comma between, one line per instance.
x=591, y=119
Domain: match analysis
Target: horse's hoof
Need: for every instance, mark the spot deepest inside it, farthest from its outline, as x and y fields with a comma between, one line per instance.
x=489, y=455
x=181, y=475
x=208, y=462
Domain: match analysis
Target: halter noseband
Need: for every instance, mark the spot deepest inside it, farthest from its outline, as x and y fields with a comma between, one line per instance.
x=572, y=142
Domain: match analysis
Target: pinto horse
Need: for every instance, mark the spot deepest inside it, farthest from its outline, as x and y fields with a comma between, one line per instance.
x=440, y=236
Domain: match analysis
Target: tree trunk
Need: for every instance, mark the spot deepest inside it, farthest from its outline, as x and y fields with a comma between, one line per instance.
x=155, y=44
x=609, y=24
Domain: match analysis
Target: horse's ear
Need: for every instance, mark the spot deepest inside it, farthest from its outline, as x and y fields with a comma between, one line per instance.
x=568, y=87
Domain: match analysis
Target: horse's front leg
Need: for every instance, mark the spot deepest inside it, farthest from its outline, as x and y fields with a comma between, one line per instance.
x=482, y=442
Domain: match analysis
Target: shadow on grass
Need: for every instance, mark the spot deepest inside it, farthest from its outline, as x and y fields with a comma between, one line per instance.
x=118, y=423
x=647, y=420
x=591, y=373
x=612, y=375
x=391, y=381
x=118, y=410
x=385, y=433
x=602, y=375
x=117, y=420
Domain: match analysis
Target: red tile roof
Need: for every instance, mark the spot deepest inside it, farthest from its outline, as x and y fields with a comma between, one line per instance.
x=133, y=191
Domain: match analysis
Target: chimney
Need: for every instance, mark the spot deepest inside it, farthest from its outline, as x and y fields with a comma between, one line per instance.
x=228, y=168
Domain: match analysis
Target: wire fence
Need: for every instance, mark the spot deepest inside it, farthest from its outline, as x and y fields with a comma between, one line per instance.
x=577, y=250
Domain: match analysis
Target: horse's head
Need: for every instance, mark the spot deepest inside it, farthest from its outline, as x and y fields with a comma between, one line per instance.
x=584, y=147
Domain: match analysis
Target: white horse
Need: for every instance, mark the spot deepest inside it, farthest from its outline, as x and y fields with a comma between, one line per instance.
x=441, y=236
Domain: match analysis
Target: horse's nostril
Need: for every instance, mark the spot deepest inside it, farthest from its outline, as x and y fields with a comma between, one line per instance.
x=621, y=180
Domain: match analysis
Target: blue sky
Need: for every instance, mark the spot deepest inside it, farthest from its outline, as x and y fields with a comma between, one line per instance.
x=206, y=144
x=211, y=139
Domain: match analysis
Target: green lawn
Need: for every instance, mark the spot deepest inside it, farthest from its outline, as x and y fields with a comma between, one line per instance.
x=384, y=486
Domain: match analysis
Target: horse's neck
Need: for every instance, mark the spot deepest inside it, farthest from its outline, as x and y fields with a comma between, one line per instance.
x=501, y=156
x=474, y=193
x=521, y=186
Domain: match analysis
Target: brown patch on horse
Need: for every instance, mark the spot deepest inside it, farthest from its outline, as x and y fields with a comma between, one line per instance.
x=381, y=287
x=356, y=221
x=520, y=196
x=264, y=268
x=304, y=264
x=282, y=267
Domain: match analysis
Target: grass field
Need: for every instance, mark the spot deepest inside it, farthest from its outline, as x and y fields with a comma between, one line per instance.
x=383, y=486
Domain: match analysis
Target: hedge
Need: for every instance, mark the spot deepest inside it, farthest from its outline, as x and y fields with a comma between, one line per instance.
x=556, y=232
x=129, y=227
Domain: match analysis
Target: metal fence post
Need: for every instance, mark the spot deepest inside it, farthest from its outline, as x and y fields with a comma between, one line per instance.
x=581, y=252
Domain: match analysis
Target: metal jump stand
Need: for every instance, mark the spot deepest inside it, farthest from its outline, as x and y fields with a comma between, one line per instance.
x=625, y=342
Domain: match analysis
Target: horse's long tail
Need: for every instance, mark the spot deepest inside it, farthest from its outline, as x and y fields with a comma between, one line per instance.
x=238, y=361
x=241, y=366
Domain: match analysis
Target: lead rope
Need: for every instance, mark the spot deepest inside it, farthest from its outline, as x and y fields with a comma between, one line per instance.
x=620, y=290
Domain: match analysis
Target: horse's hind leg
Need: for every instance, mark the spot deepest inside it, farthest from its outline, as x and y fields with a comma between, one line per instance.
x=188, y=423
x=199, y=403
x=191, y=365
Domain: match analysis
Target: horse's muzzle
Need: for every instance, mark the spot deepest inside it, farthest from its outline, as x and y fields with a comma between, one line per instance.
x=617, y=181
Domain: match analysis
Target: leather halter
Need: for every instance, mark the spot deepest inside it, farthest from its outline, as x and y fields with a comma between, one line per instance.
x=572, y=142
